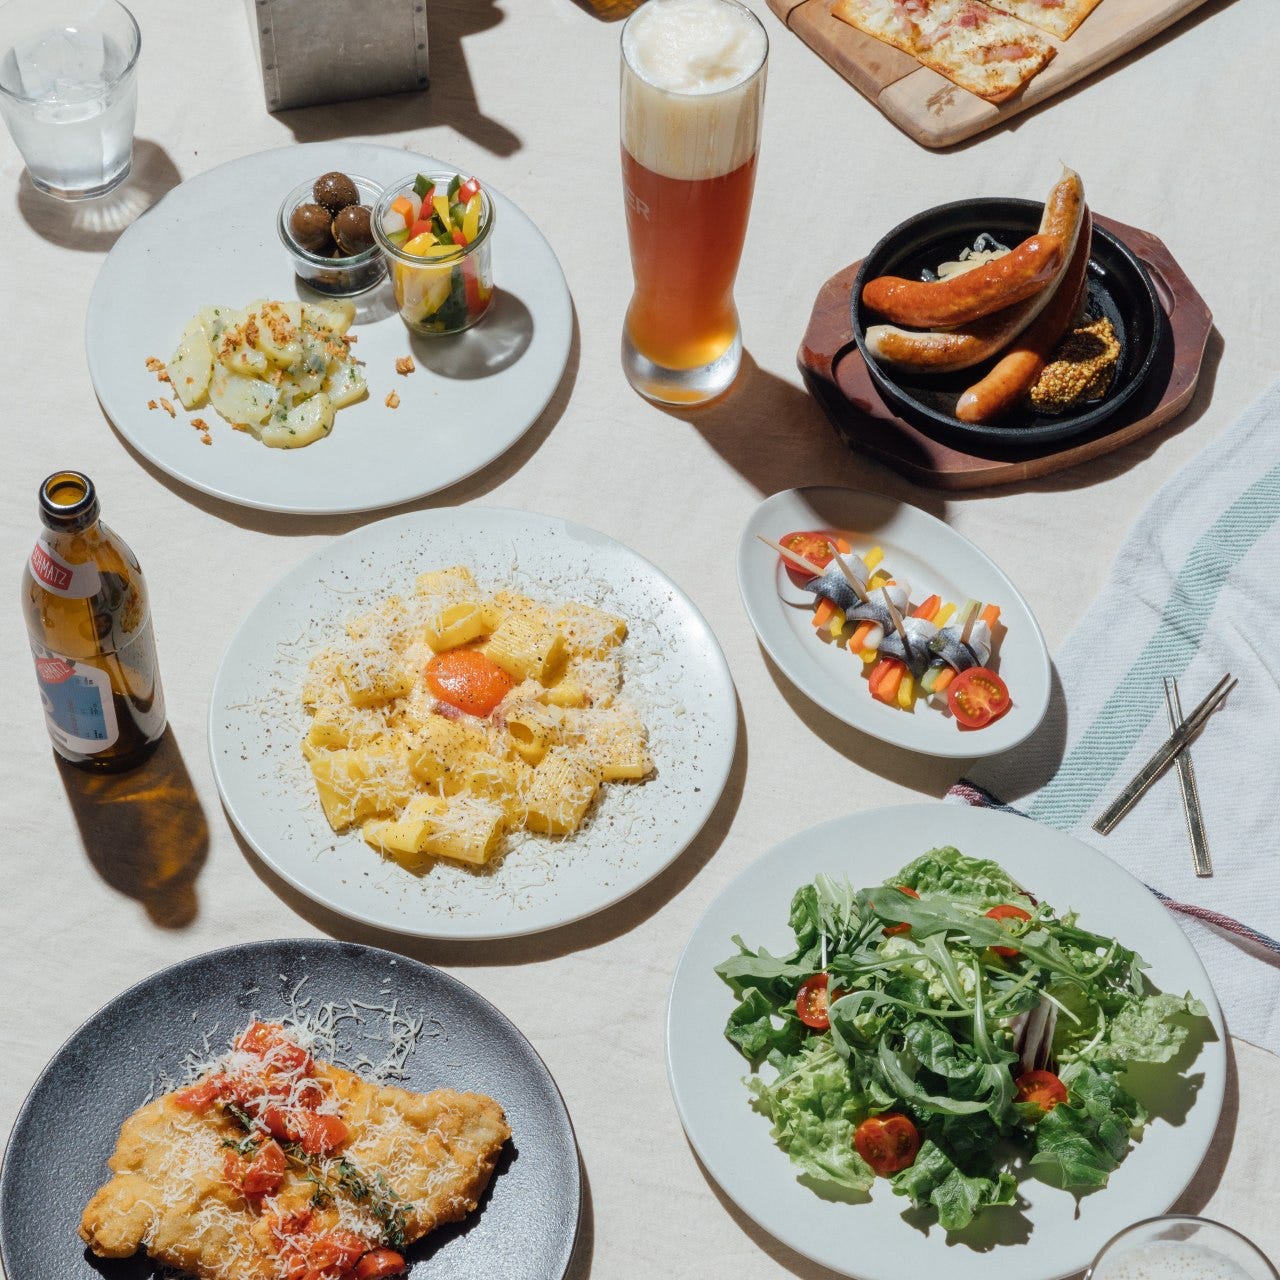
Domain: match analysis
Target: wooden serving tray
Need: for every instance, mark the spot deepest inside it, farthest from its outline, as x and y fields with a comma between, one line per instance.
x=936, y=113
x=837, y=377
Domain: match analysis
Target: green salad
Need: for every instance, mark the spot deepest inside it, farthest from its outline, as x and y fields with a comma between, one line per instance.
x=944, y=1028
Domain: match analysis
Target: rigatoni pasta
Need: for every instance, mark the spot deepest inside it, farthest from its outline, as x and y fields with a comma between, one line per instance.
x=448, y=721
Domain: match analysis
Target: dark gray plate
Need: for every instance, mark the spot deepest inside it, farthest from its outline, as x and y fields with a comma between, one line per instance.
x=1119, y=288
x=57, y=1154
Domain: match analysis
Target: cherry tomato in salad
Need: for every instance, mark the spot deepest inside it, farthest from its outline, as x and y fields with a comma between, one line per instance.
x=903, y=926
x=976, y=697
x=1041, y=1087
x=813, y=1001
x=888, y=1143
x=379, y=1263
x=815, y=546
x=1007, y=911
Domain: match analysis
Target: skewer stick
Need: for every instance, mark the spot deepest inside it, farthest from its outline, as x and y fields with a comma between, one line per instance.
x=895, y=617
x=798, y=560
x=970, y=617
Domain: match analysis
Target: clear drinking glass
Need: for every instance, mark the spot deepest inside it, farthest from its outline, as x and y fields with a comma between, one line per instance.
x=1183, y=1247
x=68, y=91
x=693, y=77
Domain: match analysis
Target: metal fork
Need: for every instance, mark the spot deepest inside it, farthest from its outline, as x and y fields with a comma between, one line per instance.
x=1187, y=783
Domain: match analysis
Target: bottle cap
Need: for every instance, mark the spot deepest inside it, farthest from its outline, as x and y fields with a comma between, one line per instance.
x=68, y=501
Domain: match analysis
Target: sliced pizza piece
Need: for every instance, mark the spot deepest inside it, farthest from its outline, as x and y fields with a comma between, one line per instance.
x=896, y=22
x=980, y=49
x=1058, y=17
x=974, y=45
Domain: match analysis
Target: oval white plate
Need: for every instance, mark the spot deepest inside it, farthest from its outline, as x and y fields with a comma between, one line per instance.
x=1054, y=1236
x=674, y=674
x=213, y=240
x=930, y=555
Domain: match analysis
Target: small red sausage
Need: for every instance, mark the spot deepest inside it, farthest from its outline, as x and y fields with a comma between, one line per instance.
x=963, y=298
x=1015, y=373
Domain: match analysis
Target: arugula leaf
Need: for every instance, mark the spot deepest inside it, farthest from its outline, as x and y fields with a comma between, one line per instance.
x=751, y=1027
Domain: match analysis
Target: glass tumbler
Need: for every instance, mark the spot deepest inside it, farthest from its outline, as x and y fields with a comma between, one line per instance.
x=1180, y=1247
x=68, y=91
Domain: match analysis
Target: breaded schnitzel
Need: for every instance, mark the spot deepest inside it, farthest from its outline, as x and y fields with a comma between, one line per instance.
x=277, y=1166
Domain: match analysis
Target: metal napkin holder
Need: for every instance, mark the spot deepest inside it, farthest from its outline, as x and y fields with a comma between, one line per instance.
x=317, y=51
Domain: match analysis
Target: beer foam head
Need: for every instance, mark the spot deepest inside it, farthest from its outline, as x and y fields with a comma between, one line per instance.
x=691, y=95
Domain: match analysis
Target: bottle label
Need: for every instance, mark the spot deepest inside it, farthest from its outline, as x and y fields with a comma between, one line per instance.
x=71, y=581
x=78, y=706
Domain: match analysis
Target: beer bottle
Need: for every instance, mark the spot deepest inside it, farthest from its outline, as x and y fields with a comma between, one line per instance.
x=89, y=623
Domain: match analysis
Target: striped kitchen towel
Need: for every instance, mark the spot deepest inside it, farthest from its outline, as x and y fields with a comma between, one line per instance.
x=1194, y=593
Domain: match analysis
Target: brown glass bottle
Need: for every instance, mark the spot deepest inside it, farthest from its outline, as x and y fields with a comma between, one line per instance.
x=89, y=623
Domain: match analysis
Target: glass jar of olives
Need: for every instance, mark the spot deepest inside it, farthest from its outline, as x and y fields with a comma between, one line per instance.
x=324, y=223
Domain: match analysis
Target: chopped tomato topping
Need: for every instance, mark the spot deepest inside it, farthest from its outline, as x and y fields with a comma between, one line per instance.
x=257, y=1175
x=201, y=1096
x=317, y=1133
x=379, y=1263
x=270, y=1042
x=887, y=1143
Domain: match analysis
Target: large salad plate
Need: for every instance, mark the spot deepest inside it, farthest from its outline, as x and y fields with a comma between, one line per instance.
x=930, y=555
x=213, y=240
x=138, y=1045
x=1051, y=1234
x=674, y=674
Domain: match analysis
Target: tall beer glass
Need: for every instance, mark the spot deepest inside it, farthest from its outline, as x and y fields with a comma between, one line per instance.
x=693, y=74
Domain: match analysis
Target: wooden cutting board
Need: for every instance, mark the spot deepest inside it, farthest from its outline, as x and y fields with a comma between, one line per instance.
x=937, y=113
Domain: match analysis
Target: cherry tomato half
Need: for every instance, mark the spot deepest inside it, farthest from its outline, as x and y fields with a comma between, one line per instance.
x=887, y=1143
x=1007, y=911
x=902, y=926
x=976, y=697
x=815, y=546
x=1041, y=1087
x=379, y=1263
x=812, y=1002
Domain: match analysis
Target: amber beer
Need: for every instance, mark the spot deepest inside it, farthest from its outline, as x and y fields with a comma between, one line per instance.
x=693, y=74
x=89, y=623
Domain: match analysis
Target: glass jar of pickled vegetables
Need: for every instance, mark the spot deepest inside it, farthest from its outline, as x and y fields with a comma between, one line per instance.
x=435, y=230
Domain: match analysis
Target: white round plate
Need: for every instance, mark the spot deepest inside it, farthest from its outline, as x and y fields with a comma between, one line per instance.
x=213, y=240
x=930, y=555
x=674, y=674
x=1052, y=1235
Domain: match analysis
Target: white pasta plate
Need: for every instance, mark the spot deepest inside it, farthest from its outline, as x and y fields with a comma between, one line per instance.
x=213, y=241
x=674, y=675
x=933, y=558
x=1050, y=1233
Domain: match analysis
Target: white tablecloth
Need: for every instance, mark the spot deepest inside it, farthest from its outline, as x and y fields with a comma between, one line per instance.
x=1179, y=138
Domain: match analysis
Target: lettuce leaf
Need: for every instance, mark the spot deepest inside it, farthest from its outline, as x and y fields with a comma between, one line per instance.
x=949, y=872
x=1080, y=1142
x=1152, y=1029
x=936, y=1180
x=815, y=1106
